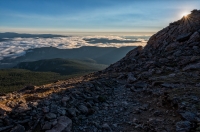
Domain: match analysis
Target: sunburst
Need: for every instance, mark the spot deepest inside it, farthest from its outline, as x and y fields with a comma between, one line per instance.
x=185, y=14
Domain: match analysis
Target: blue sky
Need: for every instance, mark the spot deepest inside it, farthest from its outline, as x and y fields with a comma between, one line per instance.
x=60, y=16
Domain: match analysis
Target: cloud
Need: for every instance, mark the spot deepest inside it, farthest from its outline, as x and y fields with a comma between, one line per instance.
x=18, y=46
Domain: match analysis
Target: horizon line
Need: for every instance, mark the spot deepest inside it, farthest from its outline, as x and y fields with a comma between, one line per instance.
x=85, y=32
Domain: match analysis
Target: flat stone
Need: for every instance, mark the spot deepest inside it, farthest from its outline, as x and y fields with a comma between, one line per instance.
x=64, y=125
x=83, y=109
x=65, y=99
x=189, y=116
x=50, y=116
x=192, y=67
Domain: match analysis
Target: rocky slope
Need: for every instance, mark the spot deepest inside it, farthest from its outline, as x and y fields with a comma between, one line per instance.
x=152, y=89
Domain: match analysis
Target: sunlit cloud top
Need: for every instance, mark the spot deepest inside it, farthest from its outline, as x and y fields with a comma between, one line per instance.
x=91, y=15
x=18, y=46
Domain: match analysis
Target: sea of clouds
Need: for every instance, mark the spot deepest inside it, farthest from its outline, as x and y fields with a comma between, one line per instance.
x=17, y=46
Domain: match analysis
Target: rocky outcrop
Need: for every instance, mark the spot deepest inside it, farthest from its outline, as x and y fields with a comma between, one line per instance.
x=151, y=89
x=175, y=46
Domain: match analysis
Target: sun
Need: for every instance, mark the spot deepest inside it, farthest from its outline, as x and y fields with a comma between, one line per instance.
x=185, y=14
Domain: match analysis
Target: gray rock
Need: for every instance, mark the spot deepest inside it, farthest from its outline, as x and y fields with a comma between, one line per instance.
x=134, y=52
x=132, y=89
x=1, y=123
x=195, y=48
x=72, y=111
x=45, y=109
x=54, y=122
x=194, y=38
x=5, y=128
x=183, y=37
x=47, y=125
x=131, y=78
x=64, y=125
x=192, y=67
x=23, y=121
x=18, y=128
x=183, y=126
x=189, y=116
x=195, y=58
x=140, y=85
x=198, y=85
x=157, y=113
x=83, y=109
x=8, y=121
x=171, y=47
x=33, y=104
x=47, y=102
x=144, y=107
x=65, y=99
x=168, y=85
x=50, y=116
x=61, y=111
x=177, y=53
x=54, y=108
x=105, y=126
x=22, y=108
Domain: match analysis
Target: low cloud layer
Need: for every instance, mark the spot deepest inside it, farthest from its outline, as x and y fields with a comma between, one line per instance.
x=17, y=46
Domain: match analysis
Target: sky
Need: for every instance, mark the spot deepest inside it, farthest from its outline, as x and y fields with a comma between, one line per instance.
x=66, y=16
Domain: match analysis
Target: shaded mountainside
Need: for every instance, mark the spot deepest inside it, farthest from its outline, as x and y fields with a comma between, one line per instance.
x=62, y=66
x=43, y=72
x=102, y=55
x=152, y=89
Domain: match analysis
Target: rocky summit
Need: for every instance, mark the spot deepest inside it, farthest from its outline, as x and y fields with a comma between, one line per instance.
x=151, y=89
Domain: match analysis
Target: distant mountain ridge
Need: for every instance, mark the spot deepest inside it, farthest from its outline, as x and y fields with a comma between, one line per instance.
x=101, y=55
x=23, y=35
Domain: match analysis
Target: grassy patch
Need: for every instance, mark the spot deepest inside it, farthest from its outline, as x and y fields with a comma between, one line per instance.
x=61, y=66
